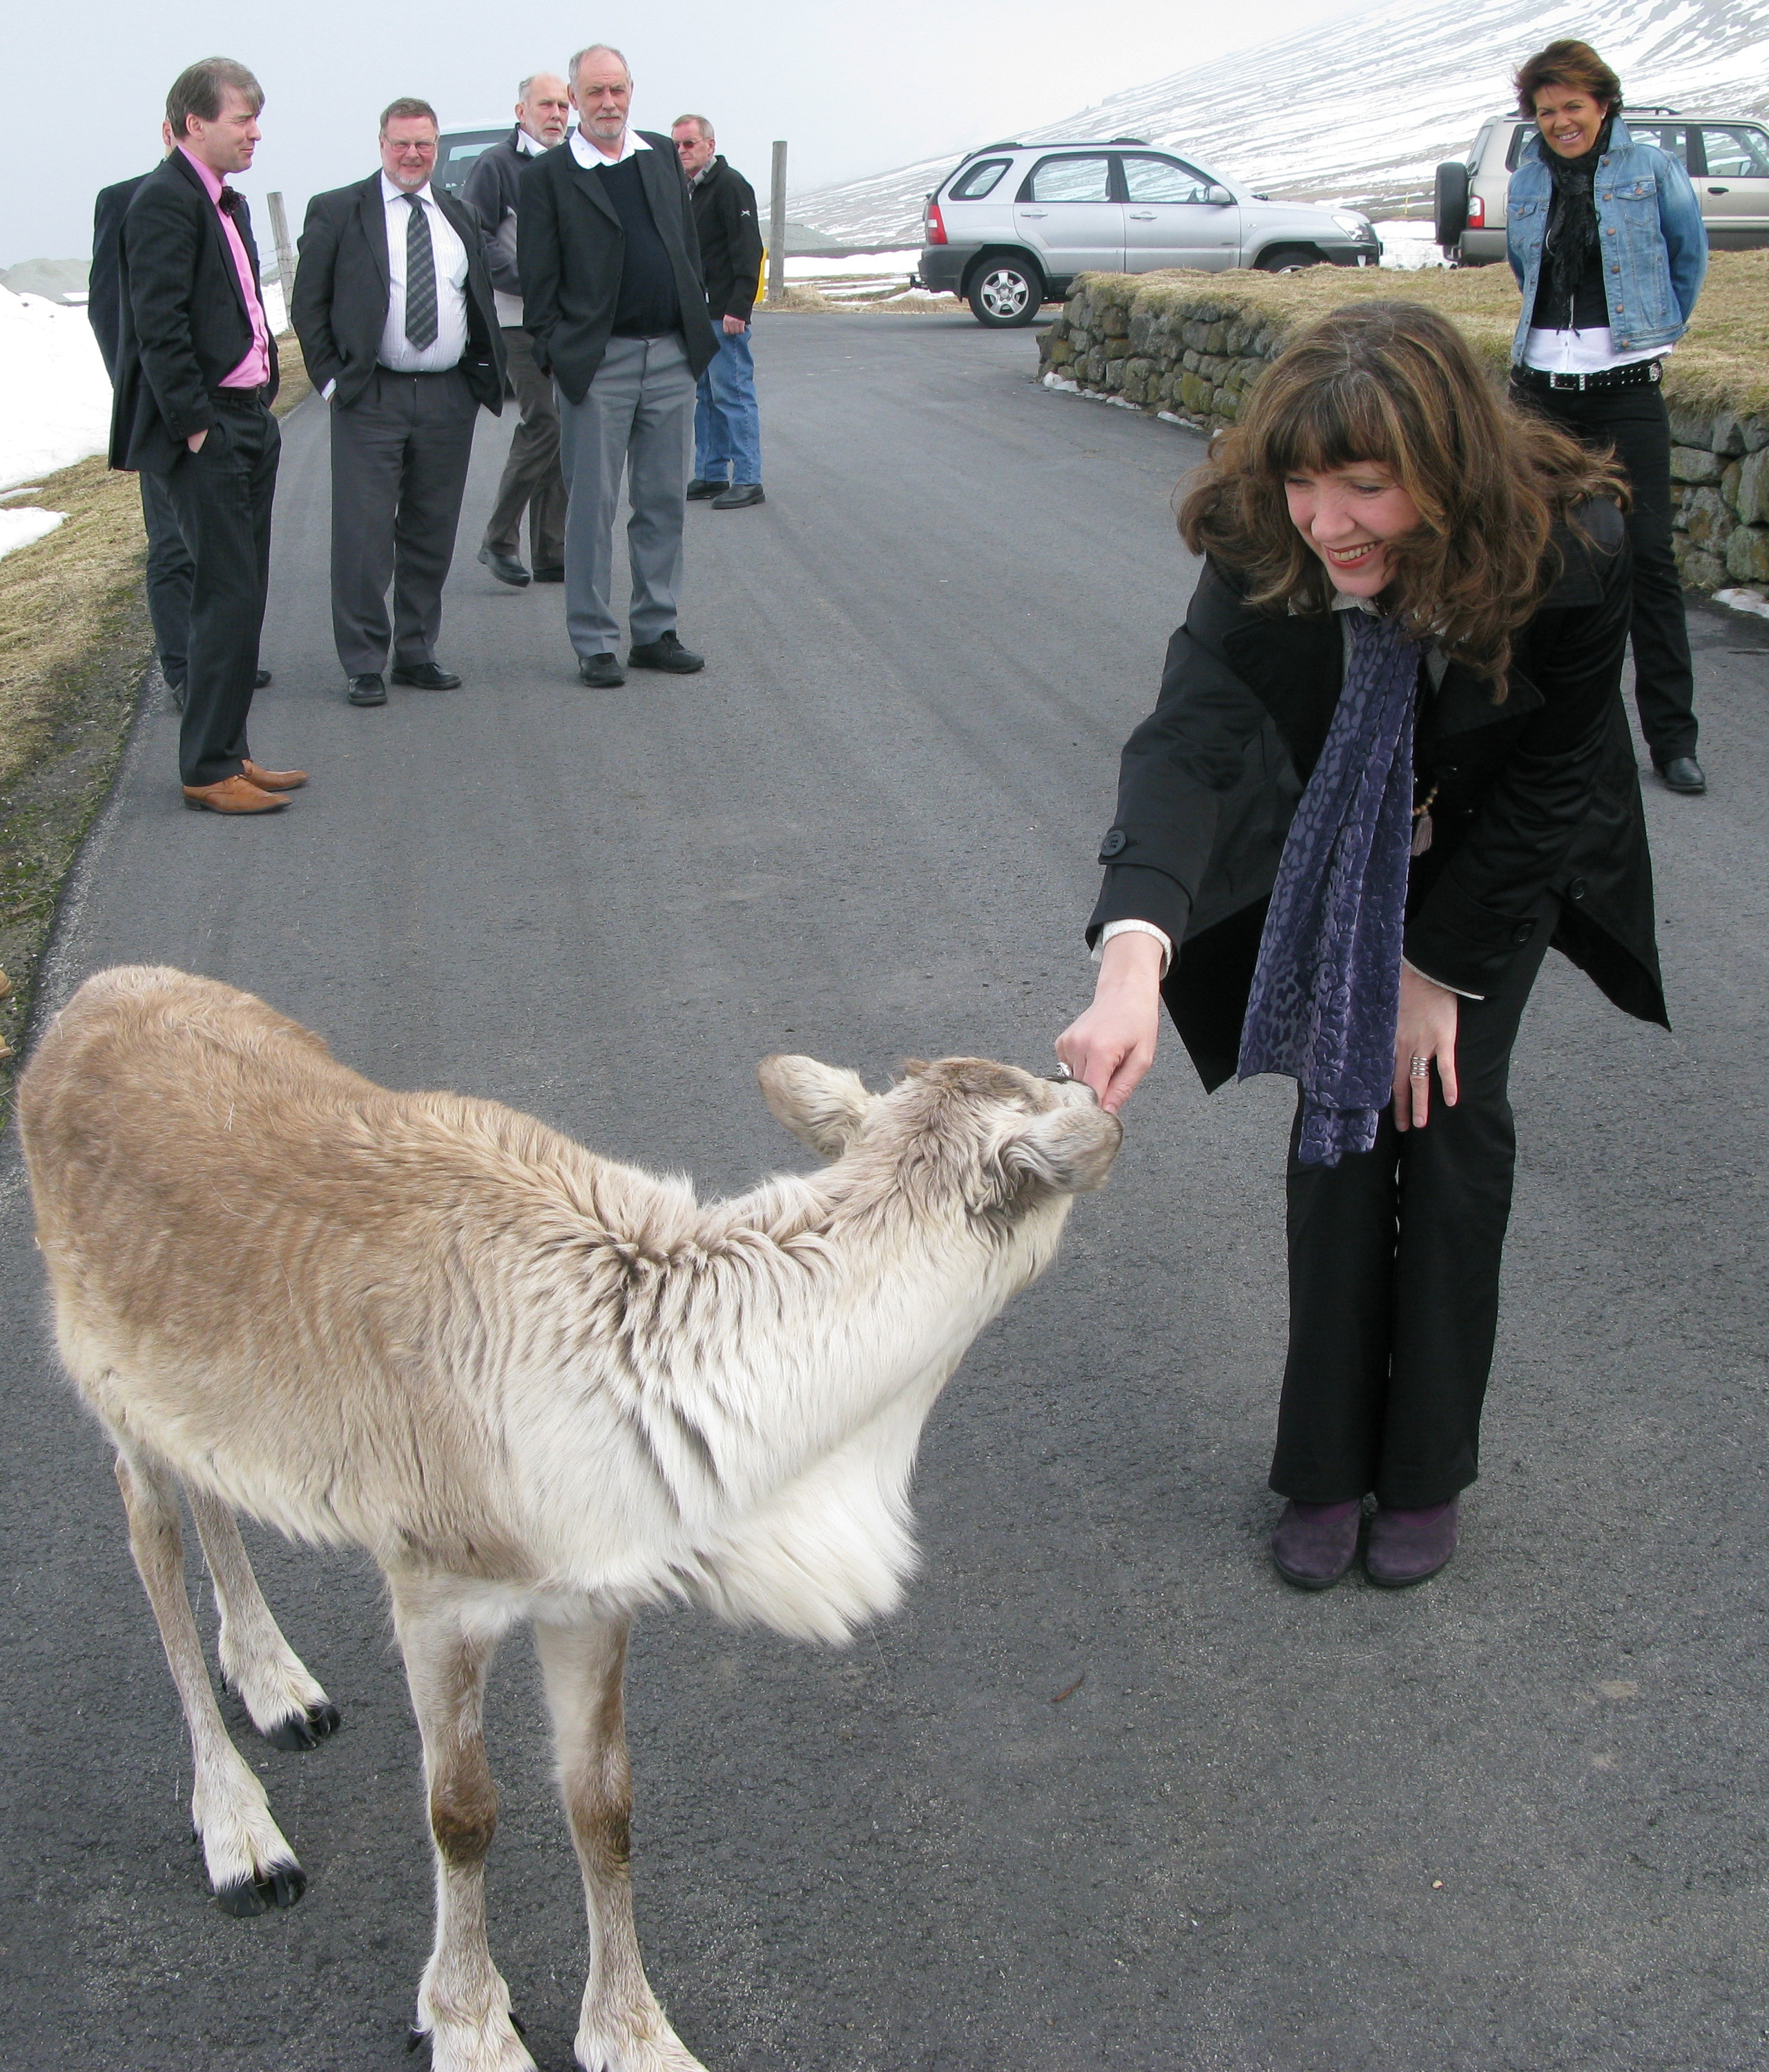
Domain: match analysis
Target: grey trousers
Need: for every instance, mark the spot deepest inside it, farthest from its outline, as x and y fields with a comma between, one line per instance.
x=399, y=462
x=637, y=414
x=532, y=479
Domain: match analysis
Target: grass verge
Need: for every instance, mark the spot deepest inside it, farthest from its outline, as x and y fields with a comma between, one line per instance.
x=75, y=645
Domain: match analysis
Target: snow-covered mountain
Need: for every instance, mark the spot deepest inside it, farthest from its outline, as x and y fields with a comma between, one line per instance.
x=1362, y=106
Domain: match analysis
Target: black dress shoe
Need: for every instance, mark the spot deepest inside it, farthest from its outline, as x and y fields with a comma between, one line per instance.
x=367, y=690
x=601, y=672
x=1683, y=773
x=425, y=677
x=555, y=573
x=665, y=652
x=505, y=567
x=261, y=682
x=704, y=486
x=740, y=496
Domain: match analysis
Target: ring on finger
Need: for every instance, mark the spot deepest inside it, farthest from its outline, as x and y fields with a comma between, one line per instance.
x=1420, y=1068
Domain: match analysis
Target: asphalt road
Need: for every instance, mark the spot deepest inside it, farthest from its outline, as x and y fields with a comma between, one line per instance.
x=1518, y=1819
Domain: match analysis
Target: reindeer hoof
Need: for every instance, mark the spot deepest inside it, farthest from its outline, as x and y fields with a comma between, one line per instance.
x=305, y=1730
x=279, y=1886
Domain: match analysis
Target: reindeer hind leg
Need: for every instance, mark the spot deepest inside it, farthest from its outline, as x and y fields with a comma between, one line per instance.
x=287, y=1705
x=251, y=1866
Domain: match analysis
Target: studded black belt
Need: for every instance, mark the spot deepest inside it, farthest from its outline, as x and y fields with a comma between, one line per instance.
x=1636, y=374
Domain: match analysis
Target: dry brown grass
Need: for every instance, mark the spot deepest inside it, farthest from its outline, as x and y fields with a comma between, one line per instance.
x=1723, y=359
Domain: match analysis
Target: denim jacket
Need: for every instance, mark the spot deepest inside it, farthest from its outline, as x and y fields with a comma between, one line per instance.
x=1655, y=248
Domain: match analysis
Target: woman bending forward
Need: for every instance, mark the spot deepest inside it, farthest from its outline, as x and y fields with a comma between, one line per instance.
x=1389, y=765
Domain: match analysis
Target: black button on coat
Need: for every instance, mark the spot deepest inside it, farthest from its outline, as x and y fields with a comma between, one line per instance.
x=1537, y=793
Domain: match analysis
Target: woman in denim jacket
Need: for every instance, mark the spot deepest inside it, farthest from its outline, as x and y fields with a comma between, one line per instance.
x=1606, y=239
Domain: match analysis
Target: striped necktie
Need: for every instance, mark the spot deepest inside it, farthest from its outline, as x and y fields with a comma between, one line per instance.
x=420, y=277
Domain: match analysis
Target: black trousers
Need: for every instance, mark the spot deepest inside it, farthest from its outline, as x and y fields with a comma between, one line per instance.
x=170, y=570
x=399, y=462
x=1394, y=1259
x=221, y=497
x=1636, y=425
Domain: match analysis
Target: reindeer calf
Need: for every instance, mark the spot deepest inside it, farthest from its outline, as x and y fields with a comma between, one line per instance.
x=535, y=1384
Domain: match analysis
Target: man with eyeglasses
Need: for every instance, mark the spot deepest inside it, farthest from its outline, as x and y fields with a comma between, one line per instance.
x=613, y=296
x=393, y=307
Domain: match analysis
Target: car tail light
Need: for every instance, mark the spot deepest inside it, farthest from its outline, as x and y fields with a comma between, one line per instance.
x=1477, y=212
x=936, y=229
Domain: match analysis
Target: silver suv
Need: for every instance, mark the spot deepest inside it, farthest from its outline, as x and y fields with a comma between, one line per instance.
x=1014, y=224
x=1726, y=157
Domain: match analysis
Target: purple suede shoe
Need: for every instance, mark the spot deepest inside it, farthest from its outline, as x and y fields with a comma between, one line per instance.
x=1406, y=1546
x=1315, y=1543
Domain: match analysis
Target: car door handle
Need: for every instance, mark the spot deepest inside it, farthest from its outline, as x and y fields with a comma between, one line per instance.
x=1719, y=190
x=1040, y=213
x=1142, y=216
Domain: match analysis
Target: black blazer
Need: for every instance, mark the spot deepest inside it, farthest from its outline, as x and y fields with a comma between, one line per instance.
x=182, y=316
x=105, y=283
x=569, y=248
x=344, y=281
x=1539, y=793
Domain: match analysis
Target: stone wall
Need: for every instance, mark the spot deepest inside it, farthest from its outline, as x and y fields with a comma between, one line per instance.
x=1190, y=349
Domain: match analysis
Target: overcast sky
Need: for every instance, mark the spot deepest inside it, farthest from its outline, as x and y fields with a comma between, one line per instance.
x=854, y=89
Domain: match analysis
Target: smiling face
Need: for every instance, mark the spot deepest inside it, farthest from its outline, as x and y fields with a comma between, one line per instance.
x=1569, y=119
x=409, y=150
x=1349, y=517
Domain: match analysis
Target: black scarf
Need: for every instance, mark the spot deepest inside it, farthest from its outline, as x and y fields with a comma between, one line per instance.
x=1571, y=240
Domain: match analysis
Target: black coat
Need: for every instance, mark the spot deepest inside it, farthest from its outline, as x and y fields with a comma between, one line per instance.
x=730, y=234
x=105, y=282
x=570, y=247
x=343, y=282
x=1538, y=793
x=182, y=324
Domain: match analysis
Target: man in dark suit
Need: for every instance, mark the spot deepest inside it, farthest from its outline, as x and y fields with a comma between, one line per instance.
x=196, y=370
x=394, y=310
x=532, y=479
x=613, y=300
x=170, y=567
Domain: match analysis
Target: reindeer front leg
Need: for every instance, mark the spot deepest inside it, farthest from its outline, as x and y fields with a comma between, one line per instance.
x=621, y=2028
x=463, y=2005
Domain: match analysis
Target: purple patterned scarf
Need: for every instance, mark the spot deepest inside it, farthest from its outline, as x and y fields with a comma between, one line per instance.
x=1326, y=988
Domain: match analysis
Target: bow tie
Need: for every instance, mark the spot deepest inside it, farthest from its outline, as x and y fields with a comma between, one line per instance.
x=230, y=201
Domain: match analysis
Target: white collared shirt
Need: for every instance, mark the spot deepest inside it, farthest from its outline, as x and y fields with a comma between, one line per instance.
x=443, y=351
x=587, y=155
x=1587, y=352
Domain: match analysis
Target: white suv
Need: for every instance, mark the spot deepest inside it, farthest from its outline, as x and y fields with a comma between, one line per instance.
x=1013, y=224
x=1726, y=157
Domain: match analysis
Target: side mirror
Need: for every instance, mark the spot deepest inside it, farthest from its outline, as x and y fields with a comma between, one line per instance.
x=1218, y=197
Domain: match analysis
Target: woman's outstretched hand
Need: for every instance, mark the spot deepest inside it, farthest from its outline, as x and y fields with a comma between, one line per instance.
x=1112, y=1045
x=1426, y=1029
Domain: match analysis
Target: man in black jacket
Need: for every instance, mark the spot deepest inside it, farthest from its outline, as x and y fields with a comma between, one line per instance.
x=727, y=428
x=394, y=311
x=532, y=479
x=612, y=293
x=195, y=373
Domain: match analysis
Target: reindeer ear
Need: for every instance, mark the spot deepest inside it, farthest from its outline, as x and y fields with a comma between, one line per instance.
x=1071, y=1149
x=822, y=1105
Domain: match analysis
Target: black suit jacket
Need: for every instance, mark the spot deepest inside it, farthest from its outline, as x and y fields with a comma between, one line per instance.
x=1536, y=793
x=343, y=284
x=569, y=249
x=105, y=283
x=182, y=316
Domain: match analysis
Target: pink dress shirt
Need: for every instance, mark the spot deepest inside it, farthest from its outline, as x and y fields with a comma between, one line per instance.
x=253, y=371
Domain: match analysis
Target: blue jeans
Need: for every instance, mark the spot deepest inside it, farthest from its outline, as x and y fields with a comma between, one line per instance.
x=727, y=428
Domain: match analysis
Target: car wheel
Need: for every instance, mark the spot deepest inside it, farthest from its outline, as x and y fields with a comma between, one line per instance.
x=1450, y=203
x=1287, y=259
x=1006, y=292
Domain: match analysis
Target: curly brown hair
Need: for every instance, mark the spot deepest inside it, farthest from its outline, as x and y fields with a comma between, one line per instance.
x=1568, y=63
x=1394, y=383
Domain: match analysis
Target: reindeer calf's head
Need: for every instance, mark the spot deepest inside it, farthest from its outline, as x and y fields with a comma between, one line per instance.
x=989, y=1135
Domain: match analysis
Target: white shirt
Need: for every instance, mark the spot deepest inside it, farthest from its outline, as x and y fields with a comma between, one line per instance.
x=397, y=349
x=1586, y=352
x=587, y=155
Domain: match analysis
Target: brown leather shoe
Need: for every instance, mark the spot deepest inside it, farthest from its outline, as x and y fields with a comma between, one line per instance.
x=272, y=780
x=232, y=794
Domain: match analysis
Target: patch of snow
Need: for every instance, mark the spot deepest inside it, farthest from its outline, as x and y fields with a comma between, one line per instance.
x=1744, y=600
x=834, y=265
x=1408, y=242
x=18, y=528
x=54, y=397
